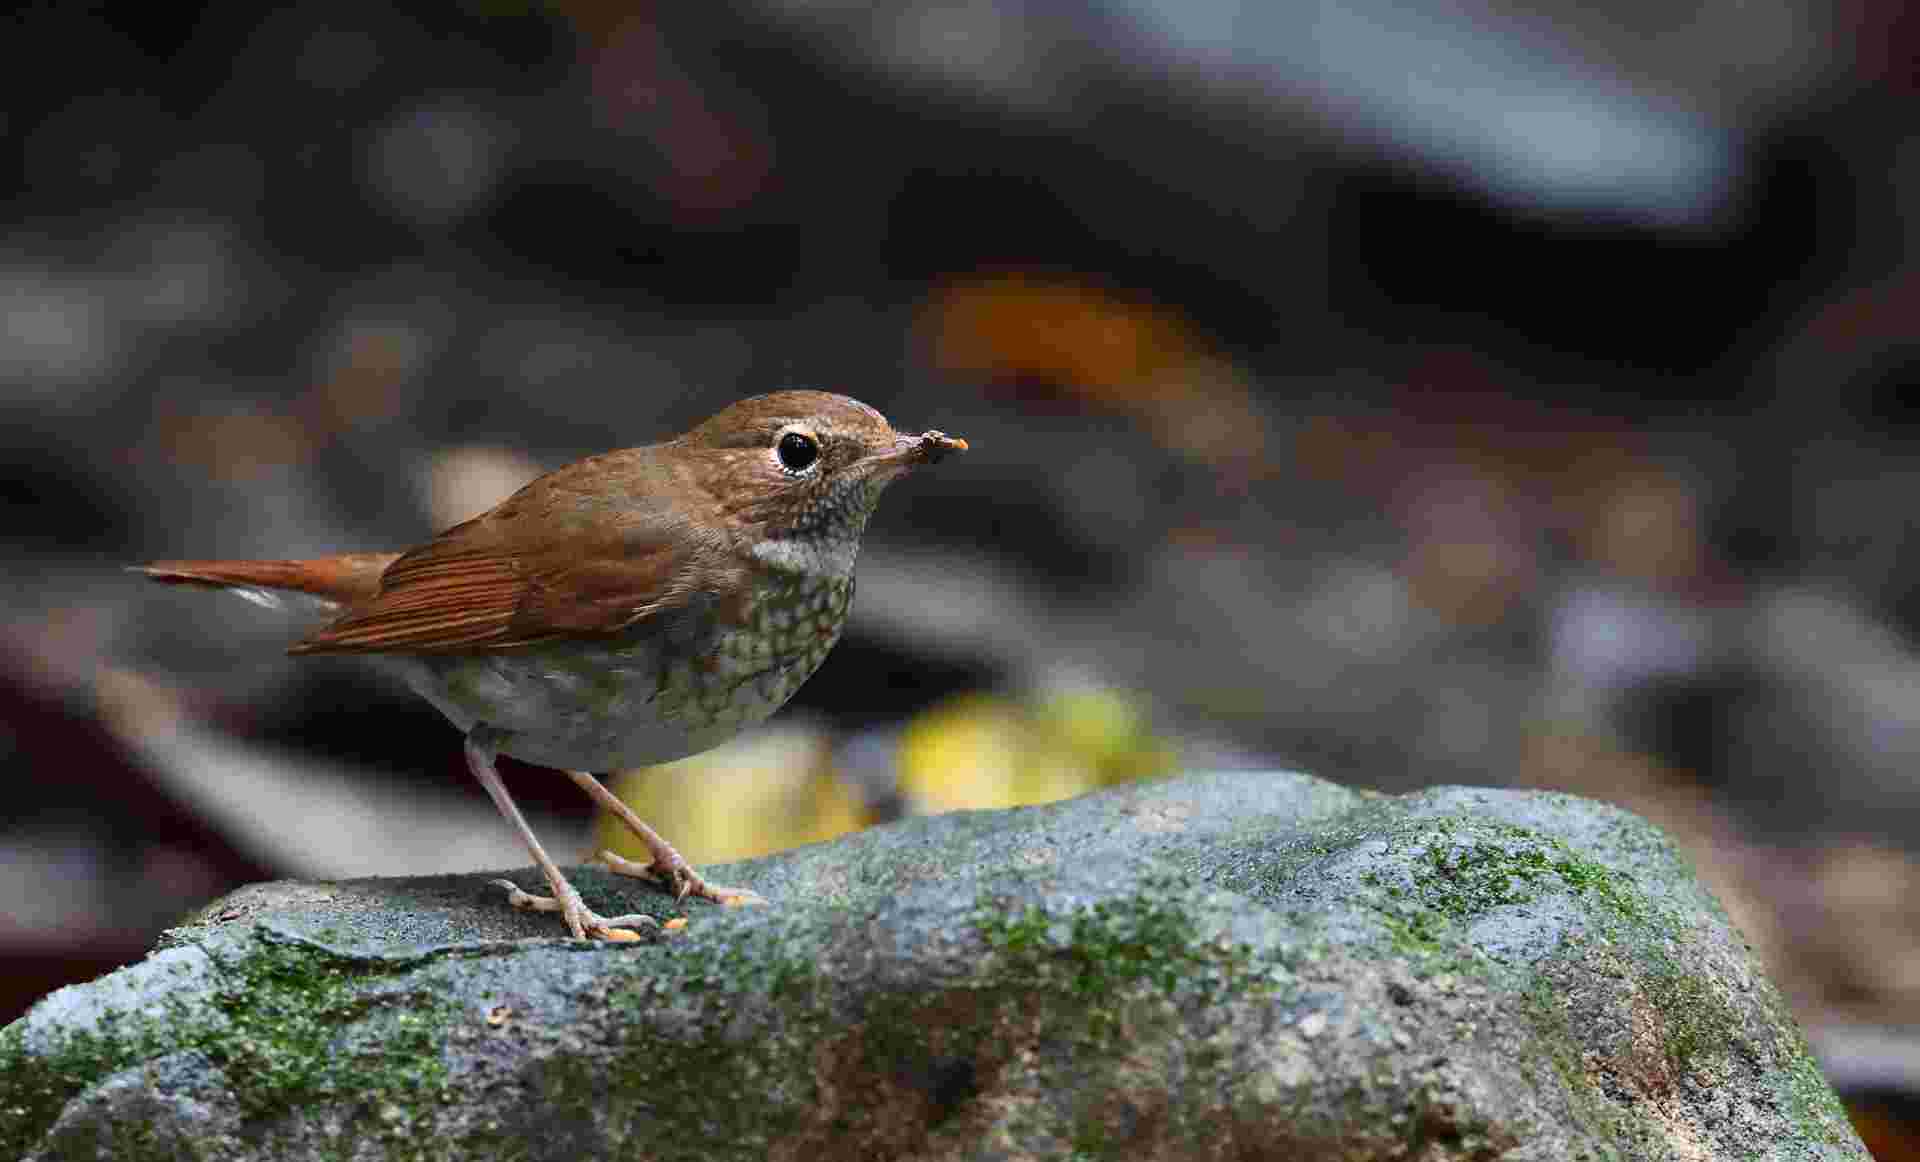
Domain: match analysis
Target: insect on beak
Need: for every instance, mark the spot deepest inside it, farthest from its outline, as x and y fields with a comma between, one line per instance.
x=927, y=447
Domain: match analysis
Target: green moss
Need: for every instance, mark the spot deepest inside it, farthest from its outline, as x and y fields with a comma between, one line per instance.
x=702, y=1079
x=1104, y=953
x=34, y=1087
x=670, y=1019
x=1013, y=932
x=270, y=1026
x=776, y=961
x=674, y=1021
x=1809, y=1099
x=1423, y=935
x=283, y=1006
x=1701, y=1030
x=1541, y=1003
x=1502, y=864
x=1091, y=1142
x=1812, y=1102
x=1277, y=868
x=1606, y=1125
x=1459, y=869
x=1695, y=1020
x=1105, y=947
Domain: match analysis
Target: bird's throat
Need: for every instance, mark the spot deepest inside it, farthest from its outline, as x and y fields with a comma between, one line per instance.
x=814, y=557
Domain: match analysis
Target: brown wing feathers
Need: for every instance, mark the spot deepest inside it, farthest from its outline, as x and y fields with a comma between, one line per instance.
x=450, y=596
x=530, y=570
x=495, y=583
x=428, y=601
x=347, y=579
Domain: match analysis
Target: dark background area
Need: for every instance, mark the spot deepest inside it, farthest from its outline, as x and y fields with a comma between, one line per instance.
x=1481, y=396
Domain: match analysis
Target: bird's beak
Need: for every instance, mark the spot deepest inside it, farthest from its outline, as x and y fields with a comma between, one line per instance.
x=925, y=448
x=933, y=447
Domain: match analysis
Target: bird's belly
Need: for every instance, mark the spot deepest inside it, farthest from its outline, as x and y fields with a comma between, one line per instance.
x=625, y=703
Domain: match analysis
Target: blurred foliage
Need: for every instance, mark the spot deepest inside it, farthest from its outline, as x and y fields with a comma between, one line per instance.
x=1889, y=1125
x=764, y=793
x=1128, y=355
x=779, y=788
x=983, y=750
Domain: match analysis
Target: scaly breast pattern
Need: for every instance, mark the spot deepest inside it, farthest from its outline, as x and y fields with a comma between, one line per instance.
x=659, y=693
x=750, y=670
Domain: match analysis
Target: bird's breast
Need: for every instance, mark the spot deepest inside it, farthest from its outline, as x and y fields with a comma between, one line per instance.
x=662, y=690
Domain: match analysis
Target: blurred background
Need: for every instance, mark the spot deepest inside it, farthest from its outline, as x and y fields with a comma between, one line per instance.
x=1408, y=391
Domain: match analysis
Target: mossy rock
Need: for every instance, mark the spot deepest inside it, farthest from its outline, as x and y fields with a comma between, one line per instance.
x=1247, y=965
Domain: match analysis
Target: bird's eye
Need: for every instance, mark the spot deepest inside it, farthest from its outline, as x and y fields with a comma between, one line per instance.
x=798, y=451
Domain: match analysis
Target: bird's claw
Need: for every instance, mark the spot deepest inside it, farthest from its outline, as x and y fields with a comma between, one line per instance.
x=679, y=878
x=583, y=922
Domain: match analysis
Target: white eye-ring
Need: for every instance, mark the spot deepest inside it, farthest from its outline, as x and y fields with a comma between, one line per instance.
x=797, y=451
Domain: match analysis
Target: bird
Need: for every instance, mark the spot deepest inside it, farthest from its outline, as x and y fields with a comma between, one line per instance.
x=627, y=609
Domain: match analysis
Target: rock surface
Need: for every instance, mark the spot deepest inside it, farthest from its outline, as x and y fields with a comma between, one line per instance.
x=1225, y=966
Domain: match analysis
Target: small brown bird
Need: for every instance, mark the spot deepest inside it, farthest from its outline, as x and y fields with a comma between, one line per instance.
x=631, y=608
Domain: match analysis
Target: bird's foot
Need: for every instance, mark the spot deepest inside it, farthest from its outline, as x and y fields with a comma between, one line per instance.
x=581, y=920
x=671, y=871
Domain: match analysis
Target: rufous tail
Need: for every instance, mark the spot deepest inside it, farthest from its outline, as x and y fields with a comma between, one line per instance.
x=346, y=580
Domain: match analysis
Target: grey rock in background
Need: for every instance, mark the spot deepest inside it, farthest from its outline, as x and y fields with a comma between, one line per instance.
x=1215, y=966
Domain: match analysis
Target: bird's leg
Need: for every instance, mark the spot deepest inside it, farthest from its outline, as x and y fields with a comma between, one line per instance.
x=483, y=743
x=667, y=866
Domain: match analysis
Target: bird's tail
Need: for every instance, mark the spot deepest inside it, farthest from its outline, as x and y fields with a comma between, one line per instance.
x=342, y=581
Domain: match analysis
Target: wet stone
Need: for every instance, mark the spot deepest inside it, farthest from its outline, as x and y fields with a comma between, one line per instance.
x=1245, y=965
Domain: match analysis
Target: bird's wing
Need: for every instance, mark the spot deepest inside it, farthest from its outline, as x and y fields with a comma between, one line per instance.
x=538, y=567
x=339, y=581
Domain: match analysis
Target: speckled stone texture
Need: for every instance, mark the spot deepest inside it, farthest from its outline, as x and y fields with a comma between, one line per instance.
x=1226, y=966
